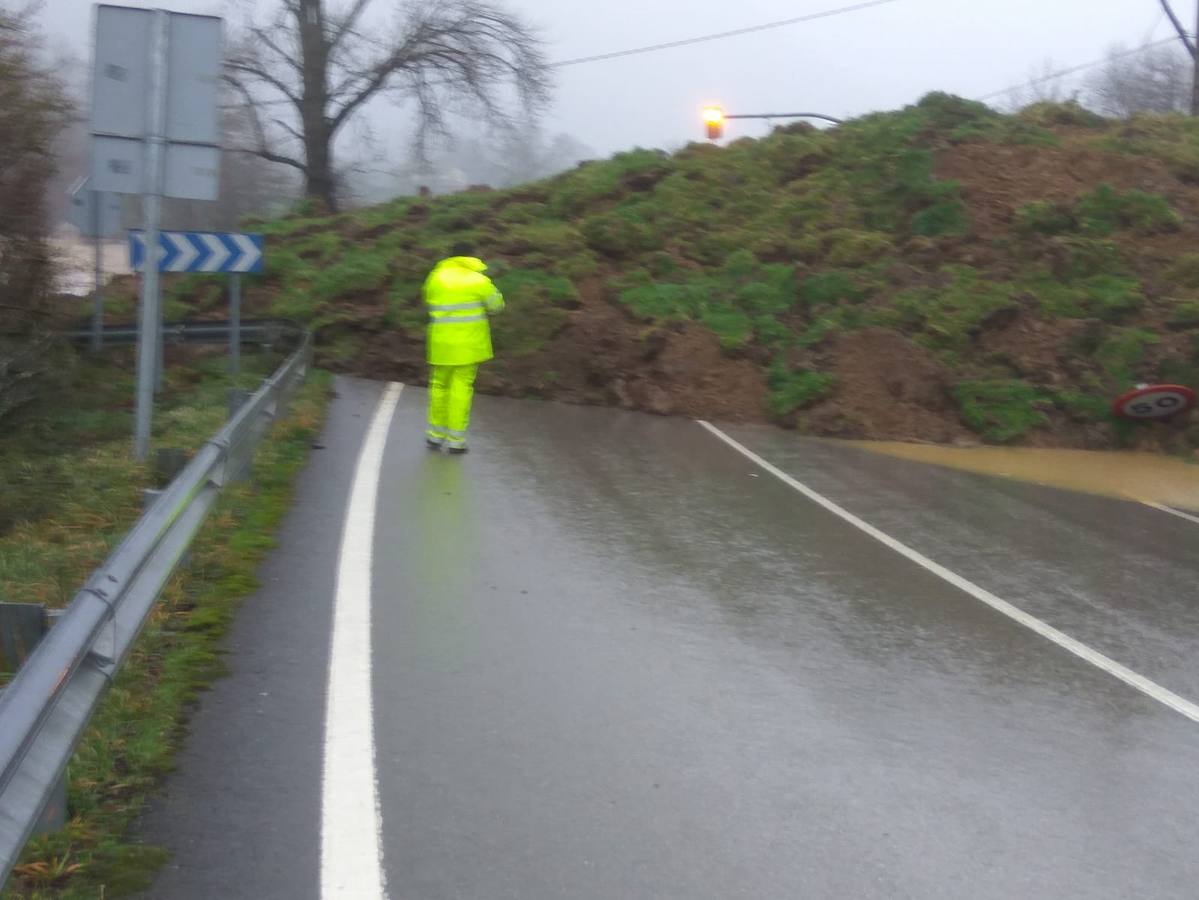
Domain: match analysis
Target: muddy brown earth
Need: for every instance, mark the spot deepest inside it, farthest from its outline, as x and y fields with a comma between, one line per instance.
x=998, y=180
x=888, y=385
x=602, y=357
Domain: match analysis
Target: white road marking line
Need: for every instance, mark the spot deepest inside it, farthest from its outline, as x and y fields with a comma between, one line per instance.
x=1151, y=688
x=1174, y=512
x=351, y=822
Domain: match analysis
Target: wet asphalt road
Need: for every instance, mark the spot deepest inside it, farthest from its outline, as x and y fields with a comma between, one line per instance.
x=612, y=659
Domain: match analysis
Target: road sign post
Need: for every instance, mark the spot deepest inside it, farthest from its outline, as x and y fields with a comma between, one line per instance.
x=149, y=347
x=155, y=132
x=97, y=216
x=98, y=293
x=235, y=322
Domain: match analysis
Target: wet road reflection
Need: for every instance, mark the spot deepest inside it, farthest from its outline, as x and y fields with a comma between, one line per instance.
x=647, y=670
x=1117, y=575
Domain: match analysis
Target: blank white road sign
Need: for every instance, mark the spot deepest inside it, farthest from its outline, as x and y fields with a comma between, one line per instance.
x=121, y=83
x=193, y=79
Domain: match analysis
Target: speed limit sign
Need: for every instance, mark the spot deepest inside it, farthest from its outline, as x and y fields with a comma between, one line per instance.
x=1155, y=401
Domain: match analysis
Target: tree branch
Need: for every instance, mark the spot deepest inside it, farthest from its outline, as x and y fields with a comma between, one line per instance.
x=289, y=129
x=261, y=74
x=259, y=131
x=374, y=82
x=347, y=23
x=470, y=46
x=1183, y=34
x=289, y=58
x=270, y=157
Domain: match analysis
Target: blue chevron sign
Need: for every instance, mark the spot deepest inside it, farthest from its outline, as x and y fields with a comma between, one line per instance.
x=199, y=251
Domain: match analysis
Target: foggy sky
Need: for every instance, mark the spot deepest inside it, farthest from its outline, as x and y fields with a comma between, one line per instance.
x=875, y=59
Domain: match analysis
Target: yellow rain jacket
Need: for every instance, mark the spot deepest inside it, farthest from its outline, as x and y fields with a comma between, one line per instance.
x=460, y=298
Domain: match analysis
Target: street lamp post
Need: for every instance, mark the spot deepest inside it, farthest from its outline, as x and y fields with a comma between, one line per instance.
x=714, y=118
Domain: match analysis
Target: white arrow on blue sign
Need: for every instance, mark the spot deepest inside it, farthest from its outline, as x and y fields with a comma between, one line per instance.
x=199, y=251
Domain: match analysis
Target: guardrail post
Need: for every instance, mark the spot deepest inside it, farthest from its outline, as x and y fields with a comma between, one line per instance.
x=237, y=455
x=22, y=626
x=237, y=399
x=169, y=462
x=54, y=816
x=149, y=495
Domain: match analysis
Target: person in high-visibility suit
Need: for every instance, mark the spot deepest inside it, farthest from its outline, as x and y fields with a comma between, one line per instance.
x=459, y=298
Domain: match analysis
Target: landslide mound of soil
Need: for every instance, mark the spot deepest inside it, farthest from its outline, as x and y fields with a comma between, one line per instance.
x=889, y=389
x=940, y=273
x=601, y=357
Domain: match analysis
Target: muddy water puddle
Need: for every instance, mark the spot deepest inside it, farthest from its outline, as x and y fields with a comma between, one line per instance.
x=1142, y=477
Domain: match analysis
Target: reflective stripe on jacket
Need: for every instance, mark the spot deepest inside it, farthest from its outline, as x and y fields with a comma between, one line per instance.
x=459, y=298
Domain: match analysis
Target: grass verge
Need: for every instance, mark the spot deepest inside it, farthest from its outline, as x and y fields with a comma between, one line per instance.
x=130, y=743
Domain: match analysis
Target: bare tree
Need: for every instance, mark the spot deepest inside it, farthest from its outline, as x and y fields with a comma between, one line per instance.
x=516, y=157
x=1189, y=41
x=495, y=160
x=320, y=67
x=1044, y=85
x=33, y=109
x=1158, y=79
x=73, y=141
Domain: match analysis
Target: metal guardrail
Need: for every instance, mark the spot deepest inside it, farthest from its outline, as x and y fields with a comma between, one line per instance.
x=45, y=709
x=253, y=331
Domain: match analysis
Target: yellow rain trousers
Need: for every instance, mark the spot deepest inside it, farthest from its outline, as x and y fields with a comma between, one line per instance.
x=451, y=390
x=459, y=298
